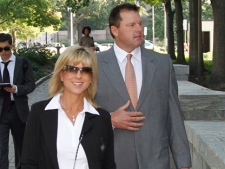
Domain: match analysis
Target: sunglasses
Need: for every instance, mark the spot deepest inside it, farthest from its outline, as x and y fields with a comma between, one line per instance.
x=7, y=48
x=86, y=70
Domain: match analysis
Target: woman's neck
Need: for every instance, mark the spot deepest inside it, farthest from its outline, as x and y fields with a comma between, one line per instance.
x=73, y=105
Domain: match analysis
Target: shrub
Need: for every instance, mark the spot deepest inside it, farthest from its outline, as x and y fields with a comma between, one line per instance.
x=41, y=59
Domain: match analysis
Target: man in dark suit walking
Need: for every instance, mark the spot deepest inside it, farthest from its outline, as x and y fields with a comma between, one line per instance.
x=139, y=88
x=14, y=108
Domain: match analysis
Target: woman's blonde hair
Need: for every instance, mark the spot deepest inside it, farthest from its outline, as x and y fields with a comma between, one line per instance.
x=75, y=55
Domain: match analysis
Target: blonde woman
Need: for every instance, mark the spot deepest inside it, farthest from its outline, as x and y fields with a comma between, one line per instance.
x=69, y=131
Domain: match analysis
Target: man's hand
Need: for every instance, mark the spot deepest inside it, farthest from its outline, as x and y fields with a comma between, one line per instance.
x=11, y=89
x=123, y=119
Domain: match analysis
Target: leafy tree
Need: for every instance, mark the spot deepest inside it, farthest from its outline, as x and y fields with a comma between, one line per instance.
x=24, y=15
x=77, y=4
x=207, y=13
x=35, y=13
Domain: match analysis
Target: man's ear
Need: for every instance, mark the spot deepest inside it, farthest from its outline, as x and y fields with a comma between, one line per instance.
x=114, y=30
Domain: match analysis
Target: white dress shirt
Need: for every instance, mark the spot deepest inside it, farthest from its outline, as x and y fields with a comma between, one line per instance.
x=68, y=135
x=10, y=67
x=136, y=61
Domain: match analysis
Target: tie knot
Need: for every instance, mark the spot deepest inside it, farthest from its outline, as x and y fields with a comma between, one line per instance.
x=129, y=56
x=6, y=63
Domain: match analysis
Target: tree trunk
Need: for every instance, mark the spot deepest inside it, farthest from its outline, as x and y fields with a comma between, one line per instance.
x=218, y=66
x=180, y=32
x=14, y=37
x=169, y=27
x=193, y=40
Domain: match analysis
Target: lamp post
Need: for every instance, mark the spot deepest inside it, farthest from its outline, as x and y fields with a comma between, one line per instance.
x=185, y=30
x=71, y=25
x=165, y=33
x=153, y=26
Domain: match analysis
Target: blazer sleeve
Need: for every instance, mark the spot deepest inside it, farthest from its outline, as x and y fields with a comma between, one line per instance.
x=178, y=139
x=29, y=158
x=28, y=84
x=109, y=161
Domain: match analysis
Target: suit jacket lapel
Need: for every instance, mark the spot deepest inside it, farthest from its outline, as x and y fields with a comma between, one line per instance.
x=49, y=122
x=148, y=71
x=112, y=71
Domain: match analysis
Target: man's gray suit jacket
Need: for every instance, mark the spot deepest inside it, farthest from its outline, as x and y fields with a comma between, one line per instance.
x=24, y=80
x=163, y=127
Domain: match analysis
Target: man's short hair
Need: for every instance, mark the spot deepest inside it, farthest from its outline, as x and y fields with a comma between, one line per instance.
x=6, y=37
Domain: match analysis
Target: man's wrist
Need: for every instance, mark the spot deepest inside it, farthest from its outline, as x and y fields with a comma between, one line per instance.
x=111, y=120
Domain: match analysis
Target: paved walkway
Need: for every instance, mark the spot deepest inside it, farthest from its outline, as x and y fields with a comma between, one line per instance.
x=40, y=93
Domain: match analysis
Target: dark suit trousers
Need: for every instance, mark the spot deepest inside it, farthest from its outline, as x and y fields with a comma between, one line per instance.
x=10, y=121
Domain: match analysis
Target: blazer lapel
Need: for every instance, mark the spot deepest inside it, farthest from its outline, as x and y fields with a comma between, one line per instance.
x=148, y=69
x=49, y=122
x=112, y=71
x=87, y=123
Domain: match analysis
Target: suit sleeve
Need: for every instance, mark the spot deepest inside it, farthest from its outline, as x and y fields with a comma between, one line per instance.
x=29, y=83
x=30, y=143
x=178, y=139
x=109, y=161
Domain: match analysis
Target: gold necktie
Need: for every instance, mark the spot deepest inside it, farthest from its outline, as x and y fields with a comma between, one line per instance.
x=130, y=81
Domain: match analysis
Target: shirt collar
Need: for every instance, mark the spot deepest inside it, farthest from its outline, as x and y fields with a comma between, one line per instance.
x=55, y=104
x=121, y=54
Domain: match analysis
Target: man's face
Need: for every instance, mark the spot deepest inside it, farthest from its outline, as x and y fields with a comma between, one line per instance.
x=129, y=35
x=5, y=50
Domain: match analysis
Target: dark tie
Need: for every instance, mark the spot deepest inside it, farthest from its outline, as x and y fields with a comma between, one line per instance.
x=130, y=81
x=6, y=79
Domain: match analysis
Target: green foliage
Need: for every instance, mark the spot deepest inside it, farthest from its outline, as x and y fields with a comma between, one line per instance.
x=77, y=4
x=207, y=13
x=42, y=61
x=153, y=2
x=97, y=12
x=34, y=13
x=207, y=56
x=208, y=65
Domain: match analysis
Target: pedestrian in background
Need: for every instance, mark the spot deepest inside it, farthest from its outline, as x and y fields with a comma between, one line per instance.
x=139, y=88
x=14, y=109
x=87, y=40
x=68, y=131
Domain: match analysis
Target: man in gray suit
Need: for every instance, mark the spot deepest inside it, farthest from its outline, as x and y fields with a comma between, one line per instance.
x=14, y=109
x=145, y=132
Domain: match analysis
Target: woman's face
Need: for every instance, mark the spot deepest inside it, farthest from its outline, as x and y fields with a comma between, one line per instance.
x=86, y=32
x=76, y=80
